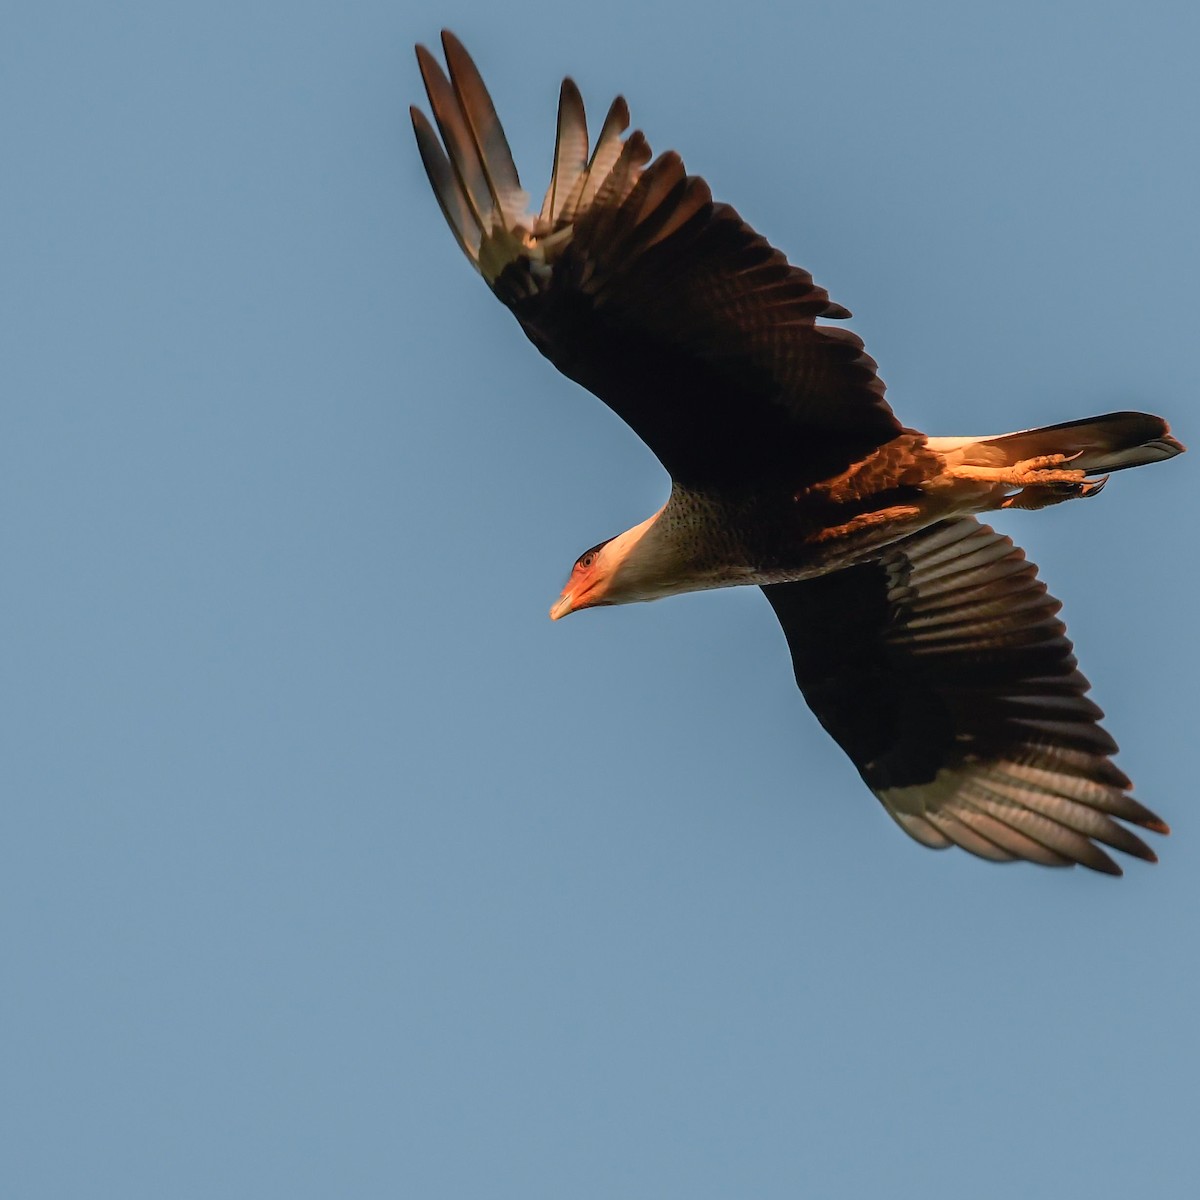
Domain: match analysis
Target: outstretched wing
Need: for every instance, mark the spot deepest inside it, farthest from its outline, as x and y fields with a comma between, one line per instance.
x=666, y=305
x=944, y=673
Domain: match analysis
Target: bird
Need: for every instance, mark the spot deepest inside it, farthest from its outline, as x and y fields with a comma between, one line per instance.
x=923, y=640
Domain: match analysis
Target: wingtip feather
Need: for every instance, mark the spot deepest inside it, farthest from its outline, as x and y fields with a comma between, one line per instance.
x=570, y=151
x=459, y=216
x=491, y=145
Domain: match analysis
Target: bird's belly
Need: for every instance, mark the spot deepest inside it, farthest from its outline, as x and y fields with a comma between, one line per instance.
x=809, y=553
x=716, y=543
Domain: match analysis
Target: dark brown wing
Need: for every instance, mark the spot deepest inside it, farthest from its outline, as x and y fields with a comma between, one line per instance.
x=666, y=305
x=945, y=674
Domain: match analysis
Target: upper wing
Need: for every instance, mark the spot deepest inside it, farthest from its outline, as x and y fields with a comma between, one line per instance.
x=943, y=672
x=667, y=306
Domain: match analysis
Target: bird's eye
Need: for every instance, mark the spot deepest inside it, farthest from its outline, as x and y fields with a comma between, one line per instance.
x=587, y=560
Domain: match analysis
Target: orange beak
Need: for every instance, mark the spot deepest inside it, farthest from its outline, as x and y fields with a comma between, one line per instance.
x=563, y=605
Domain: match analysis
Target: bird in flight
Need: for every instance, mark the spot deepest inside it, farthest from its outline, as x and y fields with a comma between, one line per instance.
x=922, y=639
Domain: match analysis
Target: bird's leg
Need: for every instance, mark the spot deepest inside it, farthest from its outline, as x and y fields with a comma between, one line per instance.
x=1029, y=472
x=1044, y=495
x=1038, y=482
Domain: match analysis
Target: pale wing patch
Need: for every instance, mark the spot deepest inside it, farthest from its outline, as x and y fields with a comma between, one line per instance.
x=990, y=812
x=476, y=181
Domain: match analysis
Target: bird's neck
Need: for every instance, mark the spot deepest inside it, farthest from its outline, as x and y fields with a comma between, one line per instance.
x=681, y=548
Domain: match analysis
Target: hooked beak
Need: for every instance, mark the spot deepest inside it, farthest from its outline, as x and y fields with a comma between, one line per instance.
x=562, y=606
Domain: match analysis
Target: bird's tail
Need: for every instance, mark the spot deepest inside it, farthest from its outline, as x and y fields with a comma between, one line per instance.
x=1095, y=445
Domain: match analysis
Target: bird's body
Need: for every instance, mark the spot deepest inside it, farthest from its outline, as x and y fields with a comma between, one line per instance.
x=767, y=535
x=922, y=639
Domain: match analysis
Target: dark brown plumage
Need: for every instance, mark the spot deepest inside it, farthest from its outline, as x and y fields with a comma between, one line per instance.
x=943, y=658
x=922, y=640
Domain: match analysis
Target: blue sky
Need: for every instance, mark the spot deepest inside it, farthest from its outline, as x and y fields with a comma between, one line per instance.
x=328, y=865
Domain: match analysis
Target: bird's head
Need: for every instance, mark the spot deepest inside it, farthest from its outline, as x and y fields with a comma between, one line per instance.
x=589, y=583
x=622, y=570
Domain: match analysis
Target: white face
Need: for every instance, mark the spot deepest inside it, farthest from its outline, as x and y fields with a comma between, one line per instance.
x=624, y=570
